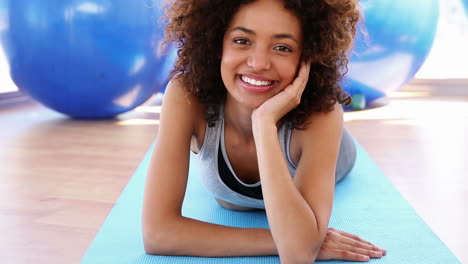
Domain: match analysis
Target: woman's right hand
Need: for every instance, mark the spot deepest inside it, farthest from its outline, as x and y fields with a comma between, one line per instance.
x=341, y=245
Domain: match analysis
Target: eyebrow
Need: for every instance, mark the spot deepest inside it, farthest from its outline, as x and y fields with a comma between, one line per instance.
x=276, y=36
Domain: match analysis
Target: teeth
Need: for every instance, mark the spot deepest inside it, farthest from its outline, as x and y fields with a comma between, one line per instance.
x=255, y=82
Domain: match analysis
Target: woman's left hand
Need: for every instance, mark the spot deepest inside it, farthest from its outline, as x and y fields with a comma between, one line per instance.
x=279, y=105
x=341, y=245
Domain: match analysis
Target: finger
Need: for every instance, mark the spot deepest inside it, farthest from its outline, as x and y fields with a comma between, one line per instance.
x=352, y=236
x=360, y=244
x=354, y=240
x=347, y=255
x=337, y=241
x=361, y=251
x=299, y=84
x=304, y=74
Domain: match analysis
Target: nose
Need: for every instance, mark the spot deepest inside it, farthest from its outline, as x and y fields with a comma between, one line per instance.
x=259, y=60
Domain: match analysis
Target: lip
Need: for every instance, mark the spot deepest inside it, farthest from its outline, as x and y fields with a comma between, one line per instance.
x=253, y=88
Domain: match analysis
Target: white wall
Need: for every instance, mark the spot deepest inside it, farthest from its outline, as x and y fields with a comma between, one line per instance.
x=448, y=58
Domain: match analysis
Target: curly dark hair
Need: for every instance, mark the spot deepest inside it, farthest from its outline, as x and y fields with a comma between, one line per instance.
x=197, y=28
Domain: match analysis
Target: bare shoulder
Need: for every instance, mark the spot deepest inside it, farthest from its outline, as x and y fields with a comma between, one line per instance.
x=182, y=106
x=321, y=124
x=325, y=128
x=318, y=119
x=177, y=96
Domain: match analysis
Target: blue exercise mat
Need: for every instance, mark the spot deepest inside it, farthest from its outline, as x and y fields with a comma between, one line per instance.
x=366, y=204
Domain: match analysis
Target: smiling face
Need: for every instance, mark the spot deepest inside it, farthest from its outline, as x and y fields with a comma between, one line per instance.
x=262, y=48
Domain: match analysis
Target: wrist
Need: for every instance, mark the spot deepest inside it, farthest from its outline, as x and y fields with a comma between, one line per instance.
x=262, y=127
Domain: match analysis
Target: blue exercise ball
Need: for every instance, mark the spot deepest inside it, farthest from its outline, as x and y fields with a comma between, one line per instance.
x=88, y=59
x=393, y=42
x=465, y=4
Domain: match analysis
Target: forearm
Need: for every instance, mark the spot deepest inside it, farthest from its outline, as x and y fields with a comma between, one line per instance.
x=186, y=236
x=292, y=221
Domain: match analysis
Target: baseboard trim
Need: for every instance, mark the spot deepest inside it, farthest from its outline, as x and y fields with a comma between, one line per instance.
x=11, y=99
x=441, y=87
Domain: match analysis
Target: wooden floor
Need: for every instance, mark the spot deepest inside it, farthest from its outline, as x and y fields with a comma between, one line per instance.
x=59, y=177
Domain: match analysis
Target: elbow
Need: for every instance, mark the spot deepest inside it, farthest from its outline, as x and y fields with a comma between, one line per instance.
x=299, y=258
x=296, y=257
x=157, y=240
x=150, y=249
x=152, y=242
x=300, y=253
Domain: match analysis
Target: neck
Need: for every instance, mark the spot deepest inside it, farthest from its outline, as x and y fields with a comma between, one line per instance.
x=239, y=119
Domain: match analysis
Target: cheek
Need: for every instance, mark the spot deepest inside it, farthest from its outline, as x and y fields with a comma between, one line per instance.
x=228, y=58
x=289, y=71
x=226, y=67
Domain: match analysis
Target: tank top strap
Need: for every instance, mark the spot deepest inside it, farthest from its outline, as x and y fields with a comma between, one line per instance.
x=284, y=134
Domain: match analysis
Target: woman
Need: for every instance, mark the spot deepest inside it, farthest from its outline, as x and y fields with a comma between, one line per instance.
x=255, y=93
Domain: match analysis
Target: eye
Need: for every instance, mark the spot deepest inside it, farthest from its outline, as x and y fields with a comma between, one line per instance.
x=283, y=48
x=241, y=41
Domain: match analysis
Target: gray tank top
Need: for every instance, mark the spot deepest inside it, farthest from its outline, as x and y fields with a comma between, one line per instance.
x=206, y=161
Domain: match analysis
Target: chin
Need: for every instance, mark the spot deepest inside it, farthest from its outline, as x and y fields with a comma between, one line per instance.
x=249, y=100
x=253, y=104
